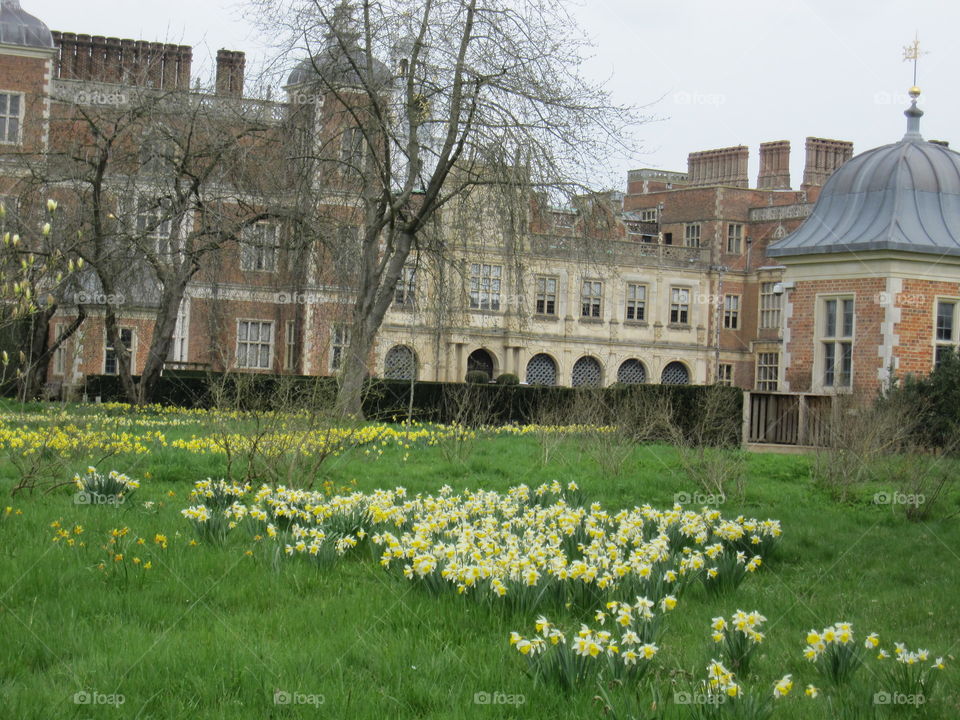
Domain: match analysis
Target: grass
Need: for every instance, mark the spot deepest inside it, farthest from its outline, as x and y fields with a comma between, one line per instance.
x=213, y=632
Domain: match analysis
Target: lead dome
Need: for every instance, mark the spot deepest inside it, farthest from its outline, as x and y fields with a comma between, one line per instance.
x=18, y=27
x=901, y=197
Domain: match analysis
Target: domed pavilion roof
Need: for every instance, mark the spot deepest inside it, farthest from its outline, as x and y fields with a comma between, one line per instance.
x=18, y=27
x=899, y=197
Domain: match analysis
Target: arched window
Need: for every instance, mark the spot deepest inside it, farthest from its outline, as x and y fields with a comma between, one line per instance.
x=480, y=360
x=586, y=372
x=541, y=370
x=400, y=363
x=632, y=372
x=675, y=374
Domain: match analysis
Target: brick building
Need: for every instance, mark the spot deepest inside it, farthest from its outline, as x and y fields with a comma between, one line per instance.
x=872, y=277
x=684, y=277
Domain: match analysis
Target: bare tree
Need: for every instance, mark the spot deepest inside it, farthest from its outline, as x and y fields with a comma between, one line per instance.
x=151, y=185
x=478, y=93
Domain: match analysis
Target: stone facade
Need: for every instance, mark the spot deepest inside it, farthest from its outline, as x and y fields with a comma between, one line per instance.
x=677, y=287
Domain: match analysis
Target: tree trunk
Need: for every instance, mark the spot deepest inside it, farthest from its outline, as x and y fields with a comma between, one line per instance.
x=163, y=329
x=121, y=352
x=34, y=371
x=349, y=403
x=373, y=299
x=30, y=384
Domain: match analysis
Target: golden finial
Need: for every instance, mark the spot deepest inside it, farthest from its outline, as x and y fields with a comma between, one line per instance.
x=912, y=53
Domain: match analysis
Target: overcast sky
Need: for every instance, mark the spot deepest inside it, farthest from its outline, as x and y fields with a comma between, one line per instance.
x=715, y=73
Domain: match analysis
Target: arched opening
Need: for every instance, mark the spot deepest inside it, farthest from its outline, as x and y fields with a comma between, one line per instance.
x=675, y=373
x=541, y=370
x=586, y=372
x=400, y=363
x=632, y=372
x=480, y=361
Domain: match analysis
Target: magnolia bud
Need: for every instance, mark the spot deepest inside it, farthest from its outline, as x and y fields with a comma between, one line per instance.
x=52, y=205
x=46, y=229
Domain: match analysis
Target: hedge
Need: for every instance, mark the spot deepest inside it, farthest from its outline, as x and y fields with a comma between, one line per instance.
x=453, y=402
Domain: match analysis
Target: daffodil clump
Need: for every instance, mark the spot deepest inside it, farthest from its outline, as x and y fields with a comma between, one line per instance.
x=721, y=681
x=126, y=557
x=910, y=672
x=623, y=652
x=73, y=441
x=524, y=547
x=726, y=566
x=116, y=428
x=220, y=509
x=835, y=653
x=739, y=637
x=95, y=488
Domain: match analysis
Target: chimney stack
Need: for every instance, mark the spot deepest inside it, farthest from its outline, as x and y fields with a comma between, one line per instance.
x=726, y=166
x=823, y=158
x=230, y=69
x=127, y=62
x=774, y=166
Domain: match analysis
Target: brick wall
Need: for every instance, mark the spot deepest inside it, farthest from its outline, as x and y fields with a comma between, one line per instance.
x=869, y=316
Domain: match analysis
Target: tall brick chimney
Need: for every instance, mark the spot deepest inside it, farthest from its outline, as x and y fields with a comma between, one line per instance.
x=726, y=166
x=774, y=165
x=823, y=158
x=230, y=69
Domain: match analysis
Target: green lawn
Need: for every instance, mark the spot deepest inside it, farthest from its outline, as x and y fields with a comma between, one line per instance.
x=234, y=631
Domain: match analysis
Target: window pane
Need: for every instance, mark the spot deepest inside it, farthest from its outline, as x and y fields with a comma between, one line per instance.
x=848, y=318
x=945, y=312
x=829, y=363
x=14, y=105
x=846, y=364
x=831, y=325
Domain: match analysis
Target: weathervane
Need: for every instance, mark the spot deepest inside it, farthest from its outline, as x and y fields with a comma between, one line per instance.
x=913, y=52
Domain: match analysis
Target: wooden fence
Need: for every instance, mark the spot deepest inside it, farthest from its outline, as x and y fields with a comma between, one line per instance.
x=786, y=418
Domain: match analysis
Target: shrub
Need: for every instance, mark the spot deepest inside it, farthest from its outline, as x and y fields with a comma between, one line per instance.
x=477, y=377
x=508, y=379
